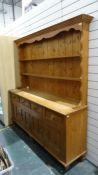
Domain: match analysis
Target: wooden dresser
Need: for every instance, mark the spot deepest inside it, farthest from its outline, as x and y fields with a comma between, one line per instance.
x=51, y=105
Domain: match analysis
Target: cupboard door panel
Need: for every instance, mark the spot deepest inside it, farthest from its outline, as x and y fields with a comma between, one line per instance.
x=55, y=133
x=14, y=112
x=37, y=118
x=54, y=118
x=21, y=116
x=54, y=141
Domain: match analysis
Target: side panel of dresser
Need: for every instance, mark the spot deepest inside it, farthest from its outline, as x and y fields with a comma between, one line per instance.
x=76, y=135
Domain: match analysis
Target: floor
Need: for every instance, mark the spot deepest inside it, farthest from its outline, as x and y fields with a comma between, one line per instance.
x=31, y=159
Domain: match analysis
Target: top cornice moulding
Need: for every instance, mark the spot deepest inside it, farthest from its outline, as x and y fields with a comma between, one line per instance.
x=69, y=22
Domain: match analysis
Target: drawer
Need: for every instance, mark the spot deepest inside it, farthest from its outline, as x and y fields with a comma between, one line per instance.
x=37, y=108
x=54, y=117
x=15, y=98
x=25, y=102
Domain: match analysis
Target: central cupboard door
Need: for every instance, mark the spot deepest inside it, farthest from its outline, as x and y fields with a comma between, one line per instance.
x=36, y=122
x=55, y=134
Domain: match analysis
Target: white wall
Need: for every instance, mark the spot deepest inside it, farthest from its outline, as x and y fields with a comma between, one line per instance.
x=51, y=12
x=7, y=73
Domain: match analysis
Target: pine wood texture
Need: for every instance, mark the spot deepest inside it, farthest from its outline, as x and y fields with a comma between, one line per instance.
x=51, y=105
x=47, y=74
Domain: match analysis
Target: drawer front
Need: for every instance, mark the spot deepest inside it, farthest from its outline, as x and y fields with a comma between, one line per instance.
x=25, y=102
x=36, y=110
x=54, y=118
x=15, y=98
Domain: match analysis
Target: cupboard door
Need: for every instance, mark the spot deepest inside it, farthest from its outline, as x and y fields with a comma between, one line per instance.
x=37, y=120
x=20, y=116
x=25, y=118
x=55, y=134
x=14, y=112
x=20, y=111
x=15, y=100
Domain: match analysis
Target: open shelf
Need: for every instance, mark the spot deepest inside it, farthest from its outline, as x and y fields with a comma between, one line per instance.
x=51, y=77
x=51, y=58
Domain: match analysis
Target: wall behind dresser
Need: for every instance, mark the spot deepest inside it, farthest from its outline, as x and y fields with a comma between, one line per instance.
x=51, y=12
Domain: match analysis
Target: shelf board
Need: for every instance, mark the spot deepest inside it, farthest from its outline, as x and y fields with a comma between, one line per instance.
x=49, y=58
x=51, y=77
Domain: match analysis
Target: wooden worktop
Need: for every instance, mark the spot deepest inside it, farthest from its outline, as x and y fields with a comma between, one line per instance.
x=62, y=106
